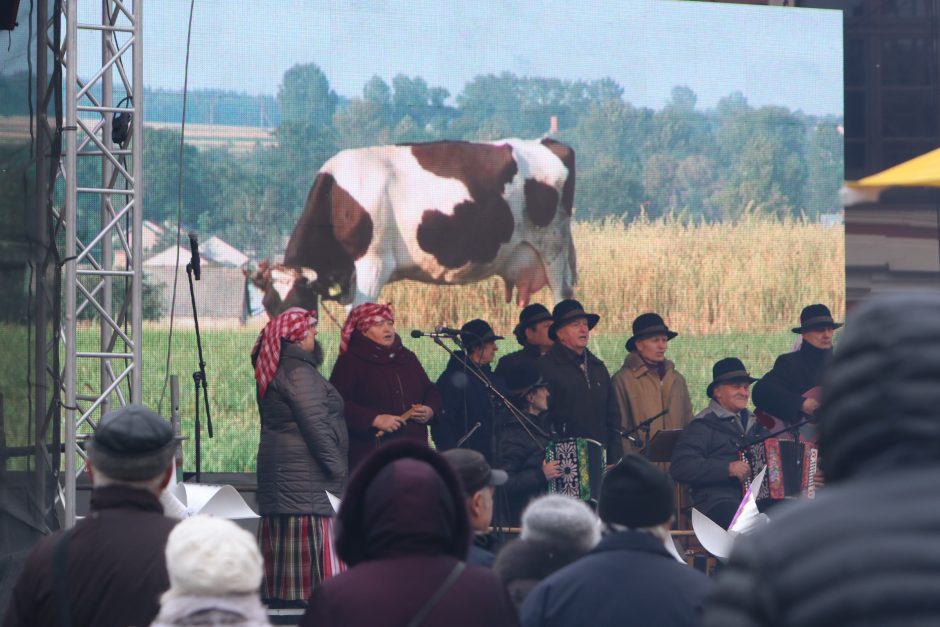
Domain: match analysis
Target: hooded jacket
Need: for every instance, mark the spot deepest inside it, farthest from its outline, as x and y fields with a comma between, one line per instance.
x=375, y=379
x=303, y=442
x=866, y=551
x=401, y=529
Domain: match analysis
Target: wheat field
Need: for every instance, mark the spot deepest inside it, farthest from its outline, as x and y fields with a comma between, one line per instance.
x=728, y=289
x=754, y=275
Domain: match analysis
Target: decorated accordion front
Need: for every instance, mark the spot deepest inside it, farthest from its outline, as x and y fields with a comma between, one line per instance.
x=582, y=466
x=791, y=468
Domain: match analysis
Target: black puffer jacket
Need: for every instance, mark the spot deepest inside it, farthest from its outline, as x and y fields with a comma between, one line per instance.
x=867, y=550
x=304, y=441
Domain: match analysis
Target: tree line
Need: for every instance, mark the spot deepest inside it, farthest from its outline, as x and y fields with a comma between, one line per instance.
x=682, y=161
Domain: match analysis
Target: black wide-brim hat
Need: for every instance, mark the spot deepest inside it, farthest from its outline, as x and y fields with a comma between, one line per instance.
x=568, y=311
x=728, y=370
x=531, y=314
x=648, y=325
x=816, y=317
x=477, y=333
x=524, y=378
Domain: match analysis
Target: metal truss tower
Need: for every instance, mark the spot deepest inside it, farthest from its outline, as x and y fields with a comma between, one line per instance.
x=103, y=218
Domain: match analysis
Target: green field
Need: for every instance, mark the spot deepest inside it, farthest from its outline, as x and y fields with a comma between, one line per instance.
x=232, y=390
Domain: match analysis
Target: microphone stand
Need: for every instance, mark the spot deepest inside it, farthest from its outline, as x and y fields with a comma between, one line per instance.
x=643, y=431
x=199, y=378
x=471, y=367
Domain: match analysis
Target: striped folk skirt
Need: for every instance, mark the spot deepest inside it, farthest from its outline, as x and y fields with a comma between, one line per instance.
x=298, y=555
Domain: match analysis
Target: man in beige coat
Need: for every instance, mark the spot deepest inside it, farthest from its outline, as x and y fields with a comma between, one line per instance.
x=648, y=383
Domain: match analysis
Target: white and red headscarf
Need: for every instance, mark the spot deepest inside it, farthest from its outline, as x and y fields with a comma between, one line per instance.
x=361, y=318
x=292, y=326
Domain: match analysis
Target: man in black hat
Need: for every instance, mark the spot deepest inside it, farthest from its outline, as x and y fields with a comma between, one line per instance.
x=523, y=440
x=579, y=382
x=706, y=456
x=648, y=384
x=532, y=335
x=110, y=568
x=469, y=407
x=865, y=550
x=479, y=483
x=630, y=576
x=780, y=391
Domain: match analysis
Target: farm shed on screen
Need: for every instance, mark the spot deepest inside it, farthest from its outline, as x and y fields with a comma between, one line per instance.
x=221, y=294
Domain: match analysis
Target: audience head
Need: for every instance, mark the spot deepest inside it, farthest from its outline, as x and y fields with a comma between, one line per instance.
x=133, y=446
x=881, y=401
x=403, y=499
x=208, y=556
x=555, y=520
x=635, y=494
x=479, y=483
x=556, y=530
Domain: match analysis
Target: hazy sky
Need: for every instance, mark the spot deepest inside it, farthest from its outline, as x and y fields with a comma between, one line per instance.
x=773, y=55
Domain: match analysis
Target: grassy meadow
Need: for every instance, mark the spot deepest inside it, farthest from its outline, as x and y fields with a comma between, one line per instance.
x=728, y=289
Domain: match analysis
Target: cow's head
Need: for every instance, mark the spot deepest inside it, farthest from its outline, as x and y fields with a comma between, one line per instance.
x=285, y=287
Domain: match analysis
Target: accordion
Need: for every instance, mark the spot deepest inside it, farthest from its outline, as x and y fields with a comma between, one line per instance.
x=791, y=468
x=582, y=466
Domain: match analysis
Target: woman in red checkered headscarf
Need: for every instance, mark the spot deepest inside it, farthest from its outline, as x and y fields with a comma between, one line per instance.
x=302, y=455
x=388, y=394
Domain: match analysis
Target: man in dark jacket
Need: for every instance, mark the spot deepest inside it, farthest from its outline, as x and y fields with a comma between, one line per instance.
x=479, y=483
x=580, y=400
x=403, y=532
x=630, y=577
x=466, y=400
x=707, y=454
x=110, y=568
x=865, y=551
x=532, y=335
x=780, y=391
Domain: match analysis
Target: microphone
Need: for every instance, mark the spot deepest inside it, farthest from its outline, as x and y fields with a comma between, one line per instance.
x=446, y=330
x=194, y=248
x=439, y=332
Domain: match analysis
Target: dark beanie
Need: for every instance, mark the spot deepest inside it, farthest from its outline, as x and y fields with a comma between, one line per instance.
x=635, y=493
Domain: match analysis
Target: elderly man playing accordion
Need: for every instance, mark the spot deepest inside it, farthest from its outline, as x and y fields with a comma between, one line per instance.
x=707, y=457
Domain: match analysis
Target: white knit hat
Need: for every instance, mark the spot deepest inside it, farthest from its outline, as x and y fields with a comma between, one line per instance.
x=558, y=519
x=208, y=556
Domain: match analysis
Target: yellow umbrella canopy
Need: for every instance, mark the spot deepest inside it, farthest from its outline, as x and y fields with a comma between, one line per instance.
x=922, y=171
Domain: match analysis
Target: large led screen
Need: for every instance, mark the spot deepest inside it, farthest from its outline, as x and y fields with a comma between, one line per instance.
x=699, y=147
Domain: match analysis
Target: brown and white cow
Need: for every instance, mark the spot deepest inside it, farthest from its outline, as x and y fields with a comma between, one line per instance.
x=447, y=212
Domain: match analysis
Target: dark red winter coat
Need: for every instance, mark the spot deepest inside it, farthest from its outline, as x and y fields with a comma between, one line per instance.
x=373, y=380
x=401, y=529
